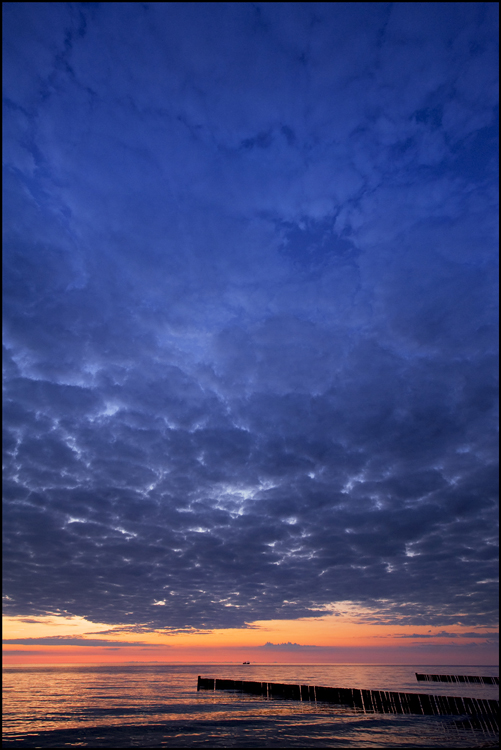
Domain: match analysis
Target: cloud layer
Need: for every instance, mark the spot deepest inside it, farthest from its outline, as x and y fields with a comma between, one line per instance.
x=250, y=311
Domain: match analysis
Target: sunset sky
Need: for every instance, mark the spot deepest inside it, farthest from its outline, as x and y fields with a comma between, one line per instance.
x=250, y=305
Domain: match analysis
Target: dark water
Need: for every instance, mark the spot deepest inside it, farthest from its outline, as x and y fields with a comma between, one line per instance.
x=157, y=705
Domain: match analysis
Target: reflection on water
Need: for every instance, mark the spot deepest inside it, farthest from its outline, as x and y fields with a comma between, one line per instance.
x=159, y=706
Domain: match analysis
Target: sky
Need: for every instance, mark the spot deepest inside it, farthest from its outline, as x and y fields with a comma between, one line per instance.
x=250, y=305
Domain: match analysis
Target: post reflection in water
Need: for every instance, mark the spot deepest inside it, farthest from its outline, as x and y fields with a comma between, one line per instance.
x=158, y=705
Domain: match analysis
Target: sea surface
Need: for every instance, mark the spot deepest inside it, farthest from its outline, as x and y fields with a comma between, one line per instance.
x=157, y=705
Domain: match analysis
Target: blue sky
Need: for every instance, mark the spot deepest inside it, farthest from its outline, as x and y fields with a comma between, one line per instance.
x=250, y=307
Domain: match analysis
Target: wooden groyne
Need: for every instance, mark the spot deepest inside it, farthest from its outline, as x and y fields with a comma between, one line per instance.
x=369, y=701
x=457, y=678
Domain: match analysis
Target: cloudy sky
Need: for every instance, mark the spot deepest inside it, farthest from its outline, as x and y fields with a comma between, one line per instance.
x=250, y=319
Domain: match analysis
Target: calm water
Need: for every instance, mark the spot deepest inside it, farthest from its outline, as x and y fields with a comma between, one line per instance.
x=157, y=705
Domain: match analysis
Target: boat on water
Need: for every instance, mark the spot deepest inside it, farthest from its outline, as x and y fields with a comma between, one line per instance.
x=246, y=662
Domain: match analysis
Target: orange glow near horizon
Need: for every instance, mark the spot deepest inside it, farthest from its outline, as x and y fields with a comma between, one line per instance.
x=349, y=637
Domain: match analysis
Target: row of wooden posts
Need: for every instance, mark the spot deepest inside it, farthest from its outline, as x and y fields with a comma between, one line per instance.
x=457, y=678
x=370, y=701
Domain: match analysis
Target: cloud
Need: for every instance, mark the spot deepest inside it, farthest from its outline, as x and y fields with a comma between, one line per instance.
x=250, y=319
x=445, y=634
x=286, y=646
x=20, y=651
x=61, y=640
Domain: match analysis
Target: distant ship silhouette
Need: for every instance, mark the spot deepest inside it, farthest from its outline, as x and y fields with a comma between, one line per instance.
x=246, y=662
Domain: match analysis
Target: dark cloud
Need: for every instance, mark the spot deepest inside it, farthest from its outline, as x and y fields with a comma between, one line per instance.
x=250, y=312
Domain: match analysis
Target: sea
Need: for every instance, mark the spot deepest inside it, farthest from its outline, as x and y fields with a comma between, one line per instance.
x=158, y=705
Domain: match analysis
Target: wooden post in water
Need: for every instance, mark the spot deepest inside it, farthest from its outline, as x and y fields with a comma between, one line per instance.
x=478, y=680
x=479, y=710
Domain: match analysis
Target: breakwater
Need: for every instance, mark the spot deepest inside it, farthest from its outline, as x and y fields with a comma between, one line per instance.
x=457, y=678
x=480, y=710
